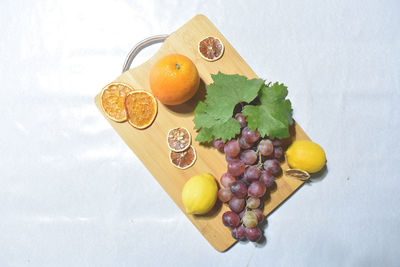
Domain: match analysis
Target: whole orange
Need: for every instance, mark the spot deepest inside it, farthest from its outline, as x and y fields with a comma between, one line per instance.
x=174, y=79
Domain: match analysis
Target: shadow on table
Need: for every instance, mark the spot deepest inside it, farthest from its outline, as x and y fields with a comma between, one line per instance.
x=318, y=176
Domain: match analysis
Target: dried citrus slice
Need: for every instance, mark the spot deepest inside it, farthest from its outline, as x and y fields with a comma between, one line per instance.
x=141, y=109
x=211, y=48
x=184, y=159
x=112, y=100
x=178, y=139
x=298, y=174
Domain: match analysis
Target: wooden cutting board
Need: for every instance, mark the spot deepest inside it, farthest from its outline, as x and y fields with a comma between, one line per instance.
x=150, y=145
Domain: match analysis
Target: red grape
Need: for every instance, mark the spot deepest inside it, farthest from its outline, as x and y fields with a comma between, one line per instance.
x=239, y=189
x=253, y=234
x=257, y=189
x=230, y=219
x=265, y=147
x=219, y=145
x=266, y=178
x=232, y=148
x=236, y=167
x=243, y=144
x=239, y=233
x=236, y=204
x=225, y=194
x=276, y=142
x=248, y=157
x=227, y=179
x=242, y=213
x=252, y=173
x=227, y=158
x=278, y=152
x=250, y=136
x=272, y=166
x=259, y=214
x=241, y=119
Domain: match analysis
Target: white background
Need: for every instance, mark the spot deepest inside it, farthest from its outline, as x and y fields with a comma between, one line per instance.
x=73, y=194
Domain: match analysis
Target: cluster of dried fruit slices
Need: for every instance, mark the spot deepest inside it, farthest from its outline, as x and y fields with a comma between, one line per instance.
x=121, y=103
x=182, y=154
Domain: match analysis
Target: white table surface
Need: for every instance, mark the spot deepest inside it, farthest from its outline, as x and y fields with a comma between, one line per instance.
x=73, y=194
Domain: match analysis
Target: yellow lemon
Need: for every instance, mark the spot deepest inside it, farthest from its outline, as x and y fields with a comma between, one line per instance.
x=199, y=194
x=306, y=155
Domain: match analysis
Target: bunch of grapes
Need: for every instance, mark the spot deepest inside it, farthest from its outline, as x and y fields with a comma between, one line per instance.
x=252, y=164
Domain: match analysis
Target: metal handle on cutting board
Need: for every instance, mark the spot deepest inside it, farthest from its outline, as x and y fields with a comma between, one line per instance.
x=139, y=47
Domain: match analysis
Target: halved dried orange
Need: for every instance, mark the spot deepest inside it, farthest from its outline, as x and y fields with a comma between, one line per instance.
x=298, y=174
x=211, y=48
x=141, y=109
x=184, y=159
x=178, y=139
x=113, y=100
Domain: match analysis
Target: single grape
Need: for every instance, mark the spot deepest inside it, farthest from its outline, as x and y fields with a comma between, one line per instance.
x=257, y=189
x=232, y=148
x=239, y=189
x=241, y=119
x=227, y=179
x=236, y=204
x=278, y=152
x=250, y=136
x=259, y=214
x=239, y=233
x=248, y=157
x=225, y=194
x=265, y=147
x=227, y=158
x=242, y=213
x=276, y=142
x=253, y=234
x=236, y=167
x=250, y=219
x=230, y=219
x=272, y=166
x=219, y=145
x=243, y=144
x=266, y=178
x=253, y=202
x=252, y=173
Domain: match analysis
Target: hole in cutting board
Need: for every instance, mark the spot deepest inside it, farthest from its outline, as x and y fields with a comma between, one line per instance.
x=145, y=54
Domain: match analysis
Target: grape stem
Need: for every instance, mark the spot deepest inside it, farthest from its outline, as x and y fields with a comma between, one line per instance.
x=259, y=159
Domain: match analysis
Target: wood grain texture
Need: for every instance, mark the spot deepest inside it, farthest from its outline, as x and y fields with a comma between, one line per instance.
x=150, y=145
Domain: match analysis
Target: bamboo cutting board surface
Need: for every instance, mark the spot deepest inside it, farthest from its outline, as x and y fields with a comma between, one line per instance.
x=150, y=145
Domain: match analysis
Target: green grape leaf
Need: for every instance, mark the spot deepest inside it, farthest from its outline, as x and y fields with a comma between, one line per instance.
x=214, y=117
x=204, y=135
x=227, y=91
x=225, y=131
x=274, y=115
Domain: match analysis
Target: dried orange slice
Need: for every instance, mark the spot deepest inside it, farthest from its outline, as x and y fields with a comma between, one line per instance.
x=178, y=139
x=211, y=48
x=141, y=109
x=298, y=174
x=184, y=159
x=113, y=99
